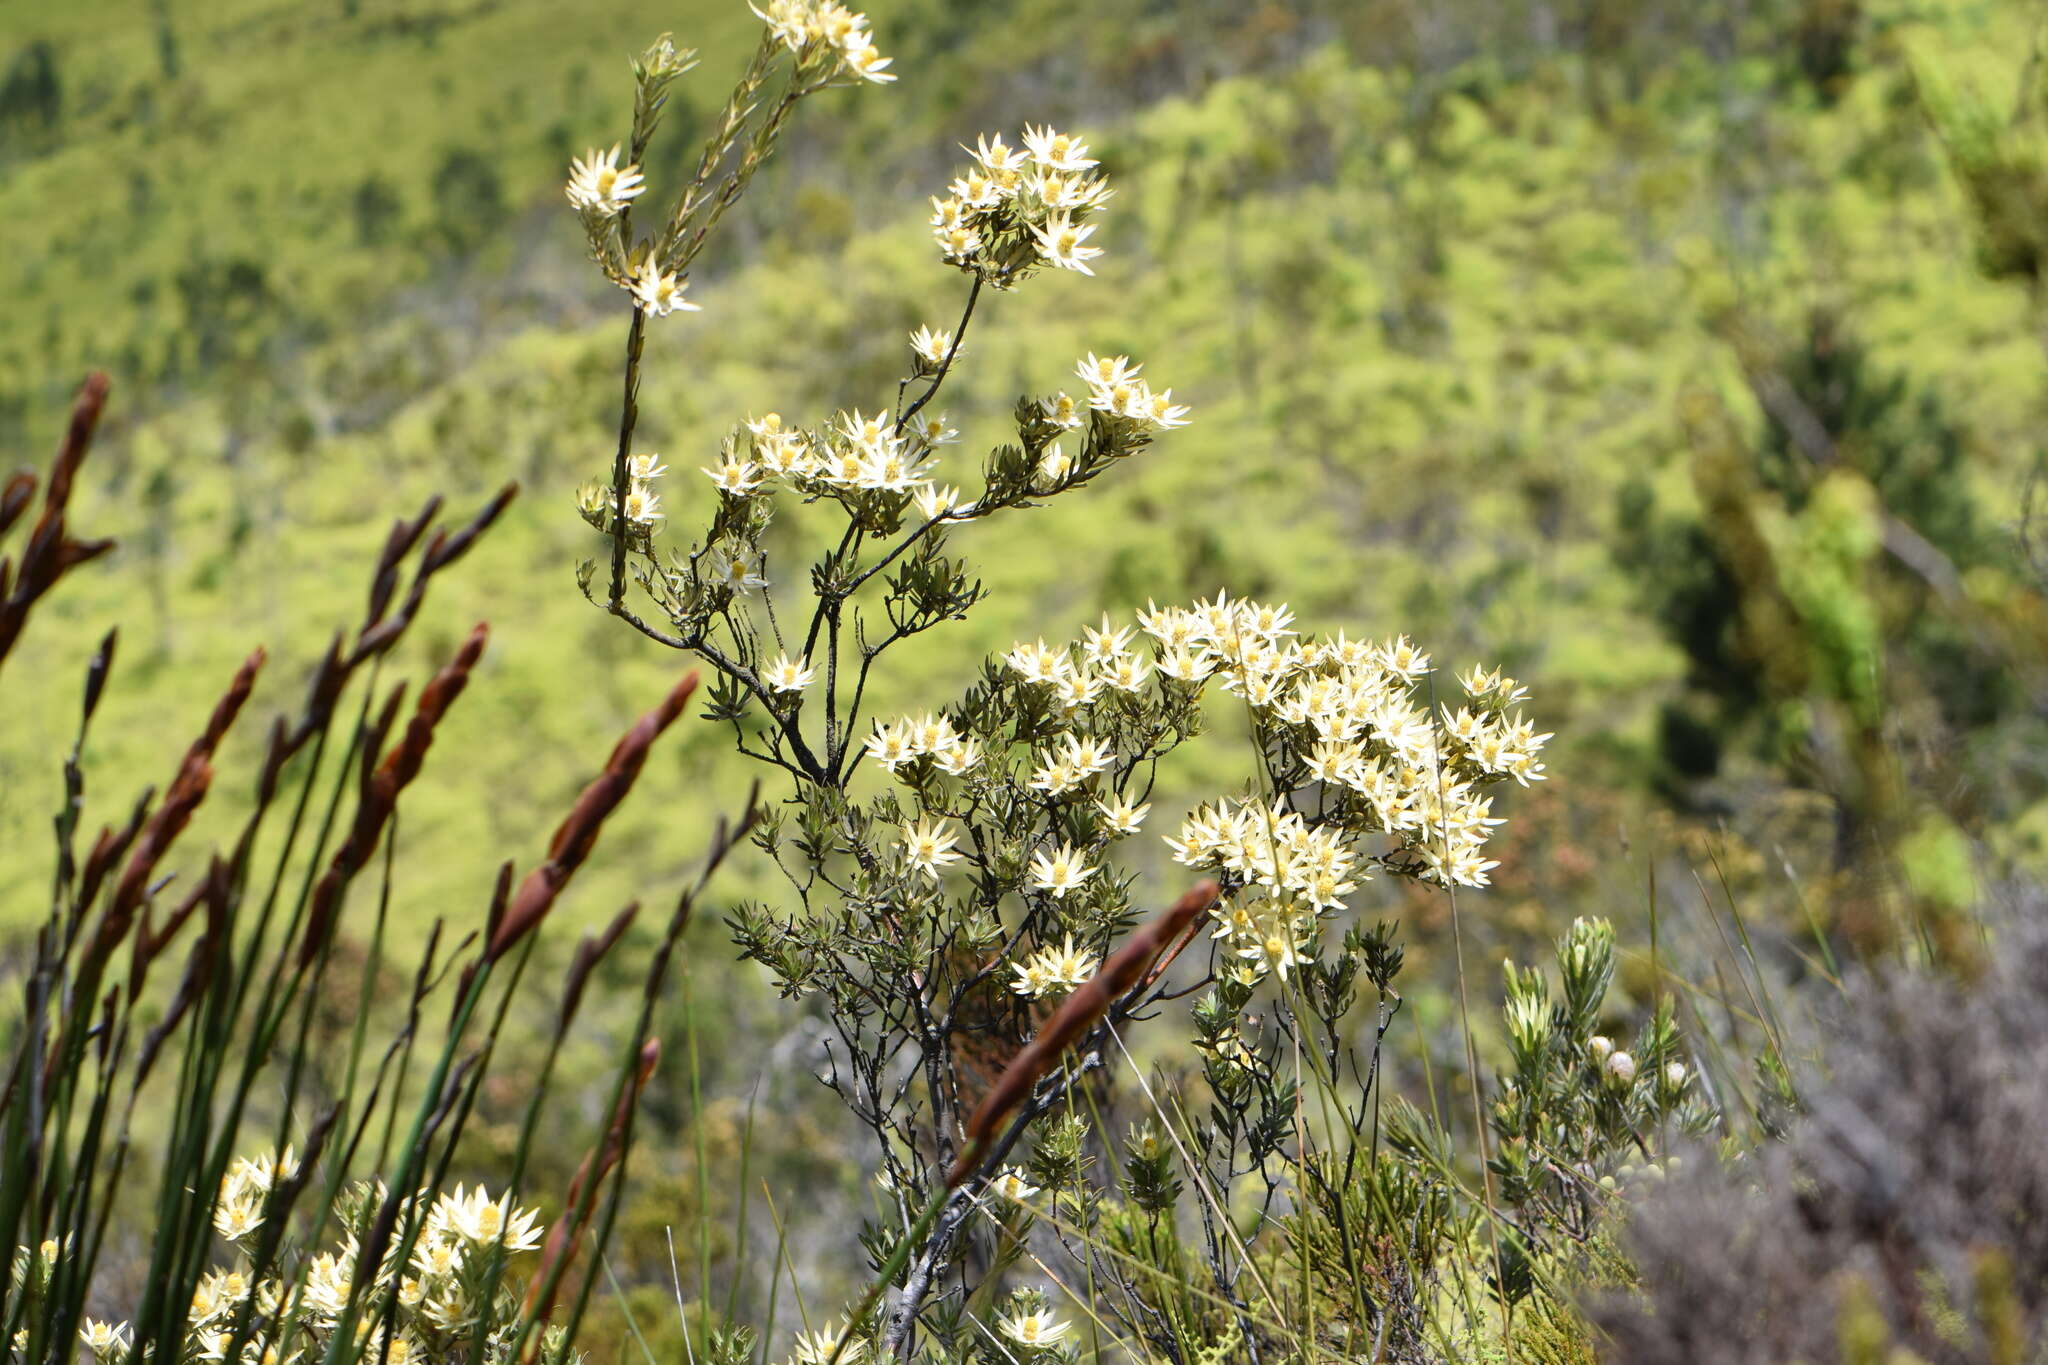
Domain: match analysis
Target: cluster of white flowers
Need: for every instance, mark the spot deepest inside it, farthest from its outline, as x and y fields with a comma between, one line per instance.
x=926, y=736
x=1116, y=390
x=32, y=1271
x=439, y=1291
x=473, y=1222
x=866, y=456
x=856, y=453
x=643, y=504
x=600, y=189
x=1115, y=387
x=1348, y=713
x=1016, y=208
x=238, y=1213
x=1105, y=660
x=1053, y=971
x=1343, y=711
x=1295, y=874
x=819, y=27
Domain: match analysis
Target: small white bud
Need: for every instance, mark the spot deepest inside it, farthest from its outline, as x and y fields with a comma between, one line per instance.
x=1674, y=1075
x=1600, y=1045
x=1621, y=1068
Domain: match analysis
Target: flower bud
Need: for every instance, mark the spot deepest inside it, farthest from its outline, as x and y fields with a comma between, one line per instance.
x=663, y=62
x=1674, y=1076
x=1600, y=1045
x=1621, y=1068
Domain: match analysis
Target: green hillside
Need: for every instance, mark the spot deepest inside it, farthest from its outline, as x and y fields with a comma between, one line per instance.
x=1435, y=313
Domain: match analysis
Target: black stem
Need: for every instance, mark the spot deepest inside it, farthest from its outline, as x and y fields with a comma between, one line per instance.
x=629, y=415
x=739, y=673
x=959, y=335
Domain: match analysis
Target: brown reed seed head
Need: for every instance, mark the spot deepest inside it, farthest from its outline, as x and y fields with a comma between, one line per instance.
x=51, y=550
x=1125, y=968
x=187, y=790
x=577, y=834
x=381, y=791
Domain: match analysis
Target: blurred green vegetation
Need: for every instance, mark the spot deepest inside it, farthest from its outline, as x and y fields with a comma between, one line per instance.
x=1488, y=314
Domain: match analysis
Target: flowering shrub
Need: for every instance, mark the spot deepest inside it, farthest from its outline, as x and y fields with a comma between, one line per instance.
x=959, y=877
